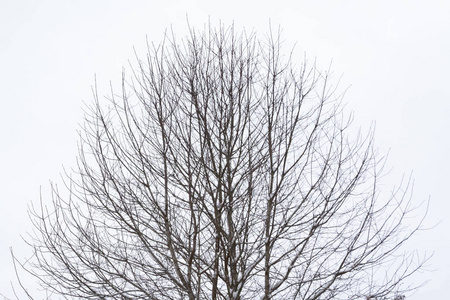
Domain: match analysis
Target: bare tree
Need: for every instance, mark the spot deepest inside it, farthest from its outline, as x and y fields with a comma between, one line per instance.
x=223, y=171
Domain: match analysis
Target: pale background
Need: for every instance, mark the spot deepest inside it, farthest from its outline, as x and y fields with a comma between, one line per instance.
x=394, y=54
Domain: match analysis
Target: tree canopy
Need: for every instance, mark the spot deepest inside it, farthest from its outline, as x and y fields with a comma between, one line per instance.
x=223, y=170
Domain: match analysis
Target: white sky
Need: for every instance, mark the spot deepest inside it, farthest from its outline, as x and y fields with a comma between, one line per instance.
x=395, y=55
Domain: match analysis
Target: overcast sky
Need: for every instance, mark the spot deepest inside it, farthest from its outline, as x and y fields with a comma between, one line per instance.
x=394, y=56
